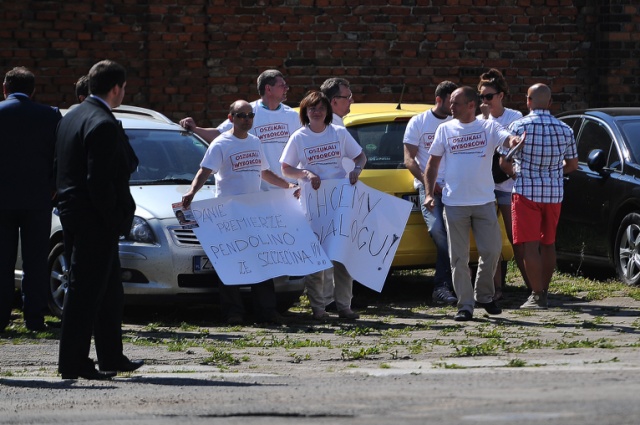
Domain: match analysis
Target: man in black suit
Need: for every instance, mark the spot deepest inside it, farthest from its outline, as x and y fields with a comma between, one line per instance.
x=94, y=161
x=27, y=142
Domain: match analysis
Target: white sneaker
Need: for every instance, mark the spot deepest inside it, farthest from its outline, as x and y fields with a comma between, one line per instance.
x=536, y=301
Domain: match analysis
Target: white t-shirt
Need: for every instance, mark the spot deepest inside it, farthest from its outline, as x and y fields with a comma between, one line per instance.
x=321, y=153
x=419, y=132
x=273, y=128
x=337, y=120
x=468, y=149
x=507, y=117
x=237, y=164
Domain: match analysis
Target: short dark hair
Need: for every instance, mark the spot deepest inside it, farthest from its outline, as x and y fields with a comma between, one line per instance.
x=270, y=76
x=20, y=80
x=445, y=88
x=82, y=86
x=331, y=86
x=314, y=98
x=105, y=75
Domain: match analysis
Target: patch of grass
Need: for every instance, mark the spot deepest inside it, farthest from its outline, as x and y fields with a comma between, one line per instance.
x=445, y=365
x=528, y=344
x=450, y=329
x=486, y=348
x=354, y=332
x=585, y=343
x=361, y=354
x=385, y=366
x=220, y=358
x=516, y=363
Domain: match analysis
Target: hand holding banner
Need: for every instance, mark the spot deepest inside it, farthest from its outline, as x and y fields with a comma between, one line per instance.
x=254, y=237
x=358, y=226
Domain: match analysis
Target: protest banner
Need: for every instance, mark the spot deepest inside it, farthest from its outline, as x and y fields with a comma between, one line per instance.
x=358, y=226
x=254, y=237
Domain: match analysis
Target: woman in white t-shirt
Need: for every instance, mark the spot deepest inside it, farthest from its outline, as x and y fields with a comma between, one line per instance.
x=314, y=152
x=493, y=88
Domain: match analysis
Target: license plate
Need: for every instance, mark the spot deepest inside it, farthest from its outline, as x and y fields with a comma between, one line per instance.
x=415, y=199
x=201, y=264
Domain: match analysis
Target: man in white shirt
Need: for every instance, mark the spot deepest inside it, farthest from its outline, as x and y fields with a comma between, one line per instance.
x=338, y=91
x=273, y=124
x=418, y=138
x=239, y=163
x=467, y=144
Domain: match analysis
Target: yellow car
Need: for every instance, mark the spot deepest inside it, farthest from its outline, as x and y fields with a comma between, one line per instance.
x=379, y=128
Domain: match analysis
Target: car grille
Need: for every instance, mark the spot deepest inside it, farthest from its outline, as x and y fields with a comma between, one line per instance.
x=183, y=236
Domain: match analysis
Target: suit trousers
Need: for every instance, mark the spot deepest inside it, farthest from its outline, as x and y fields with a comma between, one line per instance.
x=32, y=226
x=483, y=222
x=95, y=300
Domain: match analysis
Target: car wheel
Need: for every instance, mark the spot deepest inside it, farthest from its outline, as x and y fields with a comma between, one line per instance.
x=58, y=279
x=626, y=255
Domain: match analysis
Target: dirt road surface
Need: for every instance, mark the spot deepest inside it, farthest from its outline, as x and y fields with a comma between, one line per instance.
x=403, y=362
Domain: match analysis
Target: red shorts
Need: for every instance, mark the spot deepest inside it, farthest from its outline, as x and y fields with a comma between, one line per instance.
x=533, y=221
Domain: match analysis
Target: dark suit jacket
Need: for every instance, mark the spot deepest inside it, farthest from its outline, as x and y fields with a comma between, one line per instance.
x=27, y=143
x=94, y=161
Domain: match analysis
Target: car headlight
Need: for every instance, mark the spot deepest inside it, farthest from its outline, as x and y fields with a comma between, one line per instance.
x=141, y=231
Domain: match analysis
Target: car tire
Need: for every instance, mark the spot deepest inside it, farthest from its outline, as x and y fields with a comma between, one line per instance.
x=626, y=250
x=58, y=279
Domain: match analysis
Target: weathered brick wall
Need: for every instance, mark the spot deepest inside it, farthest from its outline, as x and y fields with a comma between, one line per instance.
x=194, y=57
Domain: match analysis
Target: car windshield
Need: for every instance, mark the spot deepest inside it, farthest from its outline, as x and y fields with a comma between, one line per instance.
x=631, y=131
x=382, y=143
x=166, y=157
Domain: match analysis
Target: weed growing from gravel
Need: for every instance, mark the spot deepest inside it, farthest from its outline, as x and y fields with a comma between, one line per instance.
x=361, y=354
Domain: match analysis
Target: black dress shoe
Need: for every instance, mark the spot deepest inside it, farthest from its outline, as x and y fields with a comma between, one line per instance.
x=90, y=374
x=125, y=365
x=463, y=316
x=490, y=307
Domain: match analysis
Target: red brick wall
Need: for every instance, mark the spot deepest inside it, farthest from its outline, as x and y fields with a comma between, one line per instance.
x=194, y=57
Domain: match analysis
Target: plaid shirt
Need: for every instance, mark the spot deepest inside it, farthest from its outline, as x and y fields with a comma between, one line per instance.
x=547, y=143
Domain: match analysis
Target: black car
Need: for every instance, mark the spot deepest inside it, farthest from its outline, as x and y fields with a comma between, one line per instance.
x=600, y=219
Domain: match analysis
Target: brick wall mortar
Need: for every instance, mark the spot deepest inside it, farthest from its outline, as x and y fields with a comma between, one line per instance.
x=194, y=57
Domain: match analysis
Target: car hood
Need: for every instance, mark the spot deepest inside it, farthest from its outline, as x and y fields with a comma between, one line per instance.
x=155, y=201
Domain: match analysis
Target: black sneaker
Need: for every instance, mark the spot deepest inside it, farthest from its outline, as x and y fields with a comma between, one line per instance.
x=463, y=316
x=490, y=307
x=444, y=296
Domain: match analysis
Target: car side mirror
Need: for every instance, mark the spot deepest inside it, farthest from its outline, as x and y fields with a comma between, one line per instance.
x=597, y=160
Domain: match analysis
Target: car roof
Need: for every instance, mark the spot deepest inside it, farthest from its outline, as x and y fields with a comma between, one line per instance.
x=613, y=112
x=134, y=117
x=364, y=113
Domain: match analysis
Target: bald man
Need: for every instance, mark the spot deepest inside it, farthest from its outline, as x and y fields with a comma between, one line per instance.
x=230, y=181
x=549, y=152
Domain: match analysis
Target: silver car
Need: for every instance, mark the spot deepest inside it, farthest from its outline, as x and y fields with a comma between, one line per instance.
x=160, y=260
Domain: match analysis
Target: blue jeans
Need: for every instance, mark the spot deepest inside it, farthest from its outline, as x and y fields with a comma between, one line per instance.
x=438, y=232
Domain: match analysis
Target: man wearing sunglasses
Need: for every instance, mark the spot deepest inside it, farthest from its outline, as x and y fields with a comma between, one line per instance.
x=273, y=122
x=238, y=177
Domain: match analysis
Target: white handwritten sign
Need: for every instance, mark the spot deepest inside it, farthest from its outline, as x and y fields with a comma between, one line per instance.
x=254, y=237
x=358, y=226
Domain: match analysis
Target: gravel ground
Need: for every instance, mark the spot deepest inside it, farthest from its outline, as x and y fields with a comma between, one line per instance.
x=404, y=360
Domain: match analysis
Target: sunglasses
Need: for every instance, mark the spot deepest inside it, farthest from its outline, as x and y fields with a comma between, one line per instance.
x=488, y=96
x=244, y=115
